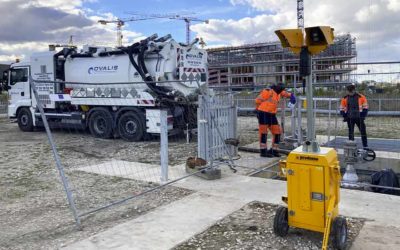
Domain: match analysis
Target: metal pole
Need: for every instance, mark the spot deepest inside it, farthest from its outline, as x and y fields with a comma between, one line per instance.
x=293, y=116
x=311, y=145
x=329, y=122
x=59, y=166
x=310, y=110
x=164, y=146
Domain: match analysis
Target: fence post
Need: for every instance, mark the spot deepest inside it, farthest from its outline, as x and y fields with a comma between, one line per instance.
x=164, y=146
x=299, y=125
x=56, y=156
x=329, y=121
x=336, y=119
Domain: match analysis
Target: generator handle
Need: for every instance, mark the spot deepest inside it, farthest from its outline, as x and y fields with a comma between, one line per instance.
x=328, y=223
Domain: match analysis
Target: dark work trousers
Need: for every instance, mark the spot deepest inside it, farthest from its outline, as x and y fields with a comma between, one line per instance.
x=361, y=126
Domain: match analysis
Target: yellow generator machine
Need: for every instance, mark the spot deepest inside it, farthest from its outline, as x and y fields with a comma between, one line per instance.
x=313, y=185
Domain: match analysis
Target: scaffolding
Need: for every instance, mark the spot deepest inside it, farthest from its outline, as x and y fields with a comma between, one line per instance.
x=252, y=66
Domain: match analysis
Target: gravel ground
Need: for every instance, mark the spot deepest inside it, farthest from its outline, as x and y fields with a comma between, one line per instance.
x=34, y=213
x=251, y=228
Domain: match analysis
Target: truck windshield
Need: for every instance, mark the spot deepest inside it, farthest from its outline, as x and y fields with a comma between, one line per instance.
x=19, y=75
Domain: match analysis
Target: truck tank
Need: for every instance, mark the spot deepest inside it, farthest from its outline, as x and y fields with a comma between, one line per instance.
x=168, y=68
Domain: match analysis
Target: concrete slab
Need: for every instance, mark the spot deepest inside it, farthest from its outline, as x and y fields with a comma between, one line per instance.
x=354, y=203
x=377, y=237
x=164, y=227
x=386, y=145
x=134, y=170
x=167, y=226
x=384, y=148
x=249, y=162
x=236, y=186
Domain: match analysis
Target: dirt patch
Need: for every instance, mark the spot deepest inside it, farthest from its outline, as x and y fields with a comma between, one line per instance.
x=251, y=227
x=34, y=213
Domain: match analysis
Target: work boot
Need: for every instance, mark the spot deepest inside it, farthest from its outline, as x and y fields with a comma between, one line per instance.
x=266, y=153
x=275, y=153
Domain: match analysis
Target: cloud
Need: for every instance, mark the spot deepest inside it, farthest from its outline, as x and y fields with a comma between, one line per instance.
x=33, y=24
x=374, y=23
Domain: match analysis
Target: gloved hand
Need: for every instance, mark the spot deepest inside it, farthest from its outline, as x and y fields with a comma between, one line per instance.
x=292, y=99
x=344, y=116
x=364, y=113
x=291, y=105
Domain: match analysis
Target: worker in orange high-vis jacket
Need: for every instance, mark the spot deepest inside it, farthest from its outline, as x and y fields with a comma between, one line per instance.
x=354, y=109
x=267, y=106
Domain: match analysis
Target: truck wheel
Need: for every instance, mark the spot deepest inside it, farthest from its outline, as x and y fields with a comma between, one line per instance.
x=25, y=120
x=281, y=225
x=339, y=233
x=131, y=126
x=100, y=124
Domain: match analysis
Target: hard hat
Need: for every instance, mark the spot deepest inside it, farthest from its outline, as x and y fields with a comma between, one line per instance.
x=351, y=87
x=278, y=88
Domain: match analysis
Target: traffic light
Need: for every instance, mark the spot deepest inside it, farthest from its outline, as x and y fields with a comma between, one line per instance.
x=318, y=38
x=291, y=38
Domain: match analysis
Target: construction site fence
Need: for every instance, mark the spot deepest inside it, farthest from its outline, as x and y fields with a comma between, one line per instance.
x=377, y=107
x=217, y=118
x=3, y=106
x=97, y=174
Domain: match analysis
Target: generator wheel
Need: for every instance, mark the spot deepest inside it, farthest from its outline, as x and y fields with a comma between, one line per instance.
x=131, y=126
x=281, y=226
x=25, y=120
x=101, y=123
x=339, y=233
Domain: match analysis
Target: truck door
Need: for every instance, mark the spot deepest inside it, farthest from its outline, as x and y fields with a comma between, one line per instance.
x=20, y=91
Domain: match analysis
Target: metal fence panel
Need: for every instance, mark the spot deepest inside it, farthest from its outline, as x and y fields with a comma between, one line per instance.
x=217, y=117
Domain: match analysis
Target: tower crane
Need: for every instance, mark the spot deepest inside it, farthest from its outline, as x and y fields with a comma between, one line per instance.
x=188, y=20
x=120, y=22
x=300, y=14
x=139, y=17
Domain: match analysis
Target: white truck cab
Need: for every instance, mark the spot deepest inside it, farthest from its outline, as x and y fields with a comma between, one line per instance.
x=19, y=88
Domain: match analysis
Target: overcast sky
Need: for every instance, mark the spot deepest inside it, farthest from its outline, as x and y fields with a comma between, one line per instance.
x=30, y=25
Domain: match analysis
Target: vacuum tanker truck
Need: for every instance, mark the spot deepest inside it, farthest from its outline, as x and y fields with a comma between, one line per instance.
x=110, y=91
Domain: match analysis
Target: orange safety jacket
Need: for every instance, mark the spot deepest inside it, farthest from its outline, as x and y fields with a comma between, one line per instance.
x=362, y=103
x=268, y=99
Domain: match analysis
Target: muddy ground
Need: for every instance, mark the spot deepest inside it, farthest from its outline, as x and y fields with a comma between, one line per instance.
x=251, y=227
x=34, y=213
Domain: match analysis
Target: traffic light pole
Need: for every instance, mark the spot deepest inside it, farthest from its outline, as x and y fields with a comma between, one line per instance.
x=315, y=41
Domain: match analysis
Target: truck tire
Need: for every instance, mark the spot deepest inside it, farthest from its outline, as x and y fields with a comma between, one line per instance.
x=131, y=126
x=101, y=124
x=281, y=224
x=339, y=233
x=25, y=120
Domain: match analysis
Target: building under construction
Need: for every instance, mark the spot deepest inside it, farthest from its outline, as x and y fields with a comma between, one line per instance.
x=255, y=65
